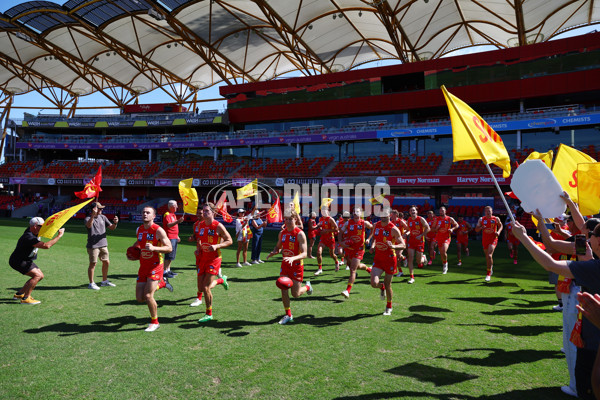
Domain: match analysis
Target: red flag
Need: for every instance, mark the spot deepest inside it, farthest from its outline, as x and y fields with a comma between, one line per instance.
x=274, y=213
x=221, y=207
x=92, y=189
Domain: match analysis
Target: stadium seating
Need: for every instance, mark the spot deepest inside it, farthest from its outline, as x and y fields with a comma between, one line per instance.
x=18, y=168
x=134, y=169
x=200, y=169
x=387, y=165
x=295, y=167
x=66, y=169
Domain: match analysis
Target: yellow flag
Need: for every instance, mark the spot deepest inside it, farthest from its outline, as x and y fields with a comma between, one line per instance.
x=565, y=168
x=325, y=202
x=189, y=196
x=589, y=188
x=378, y=199
x=56, y=221
x=296, y=202
x=473, y=138
x=545, y=157
x=249, y=190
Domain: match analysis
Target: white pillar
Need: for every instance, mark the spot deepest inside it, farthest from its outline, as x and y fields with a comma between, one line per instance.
x=519, y=140
x=297, y=150
x=396, y=146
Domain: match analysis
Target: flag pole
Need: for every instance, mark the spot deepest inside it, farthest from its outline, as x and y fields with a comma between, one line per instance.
x=510, y=214
x=479, y=150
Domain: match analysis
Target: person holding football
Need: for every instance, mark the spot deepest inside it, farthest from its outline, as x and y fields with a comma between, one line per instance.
x=292, y=243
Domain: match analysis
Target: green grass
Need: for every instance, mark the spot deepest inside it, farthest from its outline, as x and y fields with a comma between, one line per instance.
x=449, y=337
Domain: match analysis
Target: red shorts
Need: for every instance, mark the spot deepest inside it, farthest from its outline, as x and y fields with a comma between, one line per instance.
x=386, y=263
x=328, y=242
x=430, y=236
x=210, y=266
x=354, y=253
x=153, y=273
x=295, y=272
x=487, y=241
x=462, y=239
x=442, y=239
x=312, y=234
x=513, y=240
x=417, y=245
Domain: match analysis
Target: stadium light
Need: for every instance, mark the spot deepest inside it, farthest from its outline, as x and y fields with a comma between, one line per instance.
x=155, y=14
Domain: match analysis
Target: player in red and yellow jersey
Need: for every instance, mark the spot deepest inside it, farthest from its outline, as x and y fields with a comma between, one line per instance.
x=342, y=236
x=292, y=243
x=430, y=242
x=491, y=227
x=154, y=243
x=400, y=223
x=417, y=230
x=462, y=238
x=354, y=246
x=313, y=232
x=328, y=229
x=211, y=236
x=512, y=242
x=387, y=240
x=443, y=227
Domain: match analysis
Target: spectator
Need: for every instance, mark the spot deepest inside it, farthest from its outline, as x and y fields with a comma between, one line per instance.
x=171, y=226
x=241, y=233
x=256, y=227
x=97, y=245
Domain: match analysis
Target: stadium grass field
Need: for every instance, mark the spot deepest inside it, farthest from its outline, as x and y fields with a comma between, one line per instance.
x=449, y=337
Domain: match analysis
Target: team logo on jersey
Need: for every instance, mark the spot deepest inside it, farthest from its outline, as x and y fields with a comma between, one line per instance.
x=202, y=232
x=150, y=236
x=140, y=237
x=292, y=239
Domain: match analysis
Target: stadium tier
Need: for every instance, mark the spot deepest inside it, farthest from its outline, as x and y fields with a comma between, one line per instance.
x=373, y=125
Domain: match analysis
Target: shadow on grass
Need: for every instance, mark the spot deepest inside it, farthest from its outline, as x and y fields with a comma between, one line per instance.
x=323, y=322
x=420, y=319
x=230, y=328
x=117, y=324
x=423, y=308
x=503, y=358
x=518, y=311
x=548, y=290
x=527, y=330
x=542, y=393
x=485, y=300
x=435, y=375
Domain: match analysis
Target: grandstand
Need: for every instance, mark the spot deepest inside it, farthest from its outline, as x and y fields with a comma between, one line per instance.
x=387, y=123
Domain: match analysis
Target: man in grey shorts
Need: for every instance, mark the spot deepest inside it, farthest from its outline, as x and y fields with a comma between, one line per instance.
x=97, y=245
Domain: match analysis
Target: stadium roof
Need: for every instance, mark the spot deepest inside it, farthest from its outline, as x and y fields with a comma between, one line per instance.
x=123, y=48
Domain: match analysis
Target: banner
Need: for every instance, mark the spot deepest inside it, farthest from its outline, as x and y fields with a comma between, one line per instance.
x=249, y=190
x=588, y=189
x=189, y=196
x=56, y=221
x=274, y=213
x=565, y=168
x=473, y=138
x=92, y=188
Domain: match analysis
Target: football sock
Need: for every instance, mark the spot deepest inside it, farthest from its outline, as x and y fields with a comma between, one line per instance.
x=154, y=320
x=349, y=288
x=412, y=276
x=369, y=269
x=199, y=295
x=161, y=284
x=209, y=311
x=389, y=304
x=288, y=312
x=220, y=281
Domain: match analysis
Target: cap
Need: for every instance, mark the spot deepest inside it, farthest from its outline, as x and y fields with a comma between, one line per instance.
x=36, y=221
x=97, y=204
x=241, y=210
